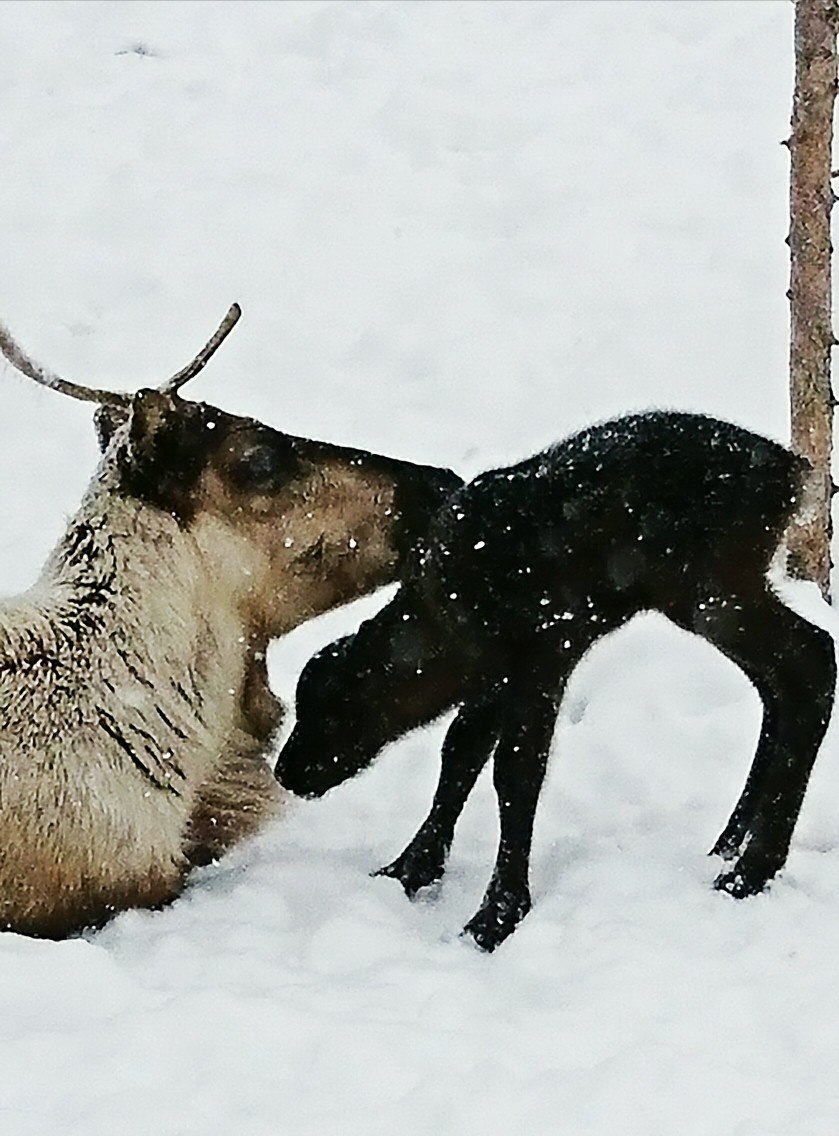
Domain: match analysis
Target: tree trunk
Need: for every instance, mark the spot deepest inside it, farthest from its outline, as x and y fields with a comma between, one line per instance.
x=811, y=199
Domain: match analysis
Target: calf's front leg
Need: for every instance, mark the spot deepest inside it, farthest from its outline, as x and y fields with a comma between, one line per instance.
x=467, y=747
x=519, y=765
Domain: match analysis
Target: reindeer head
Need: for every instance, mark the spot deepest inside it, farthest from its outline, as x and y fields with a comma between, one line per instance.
x=292, y=527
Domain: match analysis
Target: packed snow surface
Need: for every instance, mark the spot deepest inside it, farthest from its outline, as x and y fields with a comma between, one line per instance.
x=458, y=231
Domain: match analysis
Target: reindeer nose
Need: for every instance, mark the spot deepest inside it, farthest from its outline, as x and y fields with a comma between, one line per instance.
x=419, y=494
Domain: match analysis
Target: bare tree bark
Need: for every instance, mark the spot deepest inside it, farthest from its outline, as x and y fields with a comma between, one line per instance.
x=811, y=339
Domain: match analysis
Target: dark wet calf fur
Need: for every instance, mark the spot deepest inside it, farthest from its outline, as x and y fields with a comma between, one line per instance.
x=521, y=571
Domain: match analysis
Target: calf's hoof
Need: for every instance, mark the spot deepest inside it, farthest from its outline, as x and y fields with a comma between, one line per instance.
x=415, y=870
x=743, y=879
x=496, y=919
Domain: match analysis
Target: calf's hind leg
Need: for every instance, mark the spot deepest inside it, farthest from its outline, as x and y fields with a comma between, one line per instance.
x=791, y=664
x=468, y=745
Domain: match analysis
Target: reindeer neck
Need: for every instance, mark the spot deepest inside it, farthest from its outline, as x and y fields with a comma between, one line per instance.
x=123, y=599
x=119, y=564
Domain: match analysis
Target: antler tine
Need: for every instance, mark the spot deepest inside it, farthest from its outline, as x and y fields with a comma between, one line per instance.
x=207, y=351
x=21, y=361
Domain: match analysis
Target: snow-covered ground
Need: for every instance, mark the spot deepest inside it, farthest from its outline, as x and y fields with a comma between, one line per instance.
x=458, y=231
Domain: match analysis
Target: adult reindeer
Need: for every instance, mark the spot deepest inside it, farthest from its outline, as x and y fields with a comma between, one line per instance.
x=135, y=711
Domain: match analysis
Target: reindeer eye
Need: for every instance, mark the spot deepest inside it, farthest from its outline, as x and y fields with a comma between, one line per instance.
x=262, y=465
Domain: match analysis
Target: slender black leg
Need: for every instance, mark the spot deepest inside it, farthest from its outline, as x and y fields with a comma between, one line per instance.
x=799, y=681
x=729, y=843
x=468, y=745
x=519, y=769
x=791, y=663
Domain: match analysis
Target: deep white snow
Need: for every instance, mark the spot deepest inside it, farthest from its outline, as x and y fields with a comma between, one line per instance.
x=458, y=231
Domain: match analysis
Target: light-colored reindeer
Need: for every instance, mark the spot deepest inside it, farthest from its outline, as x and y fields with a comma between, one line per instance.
x=135, y=711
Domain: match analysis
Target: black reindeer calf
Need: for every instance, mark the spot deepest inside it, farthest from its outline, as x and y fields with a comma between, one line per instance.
x=521, y=571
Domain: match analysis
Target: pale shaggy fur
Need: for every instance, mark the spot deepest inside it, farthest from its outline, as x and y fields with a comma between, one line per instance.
x=134, y=716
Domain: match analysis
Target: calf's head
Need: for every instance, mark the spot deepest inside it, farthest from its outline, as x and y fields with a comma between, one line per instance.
x=398, y=671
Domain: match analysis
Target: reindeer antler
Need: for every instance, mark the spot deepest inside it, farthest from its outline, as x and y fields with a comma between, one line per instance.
x=22, y=362
x=19, y=359
x=207, y=351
